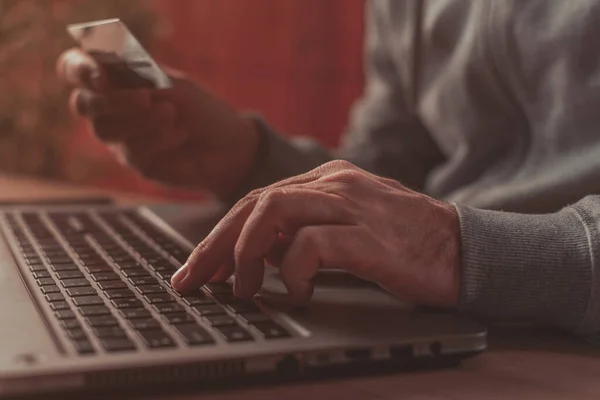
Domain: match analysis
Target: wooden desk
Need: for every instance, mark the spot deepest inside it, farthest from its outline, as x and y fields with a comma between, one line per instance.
x=522, y=363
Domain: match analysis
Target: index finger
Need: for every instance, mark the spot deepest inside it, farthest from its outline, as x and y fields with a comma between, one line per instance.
x=79, y=69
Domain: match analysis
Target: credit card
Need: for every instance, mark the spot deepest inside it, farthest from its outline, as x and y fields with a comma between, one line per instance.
x=127, y=64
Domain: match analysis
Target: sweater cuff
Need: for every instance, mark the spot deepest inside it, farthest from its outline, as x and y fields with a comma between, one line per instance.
x=278, y=158
x=525, y=268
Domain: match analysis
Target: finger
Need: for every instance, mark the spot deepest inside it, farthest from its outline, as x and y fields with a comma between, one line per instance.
x=88, y=103
x=78, y=69
x=277, y=251
x=218, y=246
x=314, y=248
x=279, y=211
x=213, y=251
x=156, y=123
x=223, y=273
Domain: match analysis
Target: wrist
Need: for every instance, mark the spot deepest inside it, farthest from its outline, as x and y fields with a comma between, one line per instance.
x=449, y=251
x=246, y=156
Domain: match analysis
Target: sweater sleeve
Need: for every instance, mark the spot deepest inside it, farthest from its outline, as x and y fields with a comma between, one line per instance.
x=533, y=268
x=383, y=136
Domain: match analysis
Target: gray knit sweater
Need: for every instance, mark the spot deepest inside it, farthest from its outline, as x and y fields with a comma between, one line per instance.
x=490, y=105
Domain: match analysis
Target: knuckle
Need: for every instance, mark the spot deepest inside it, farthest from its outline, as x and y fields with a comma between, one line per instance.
x=307, y=238
x=347, y=176
x=337, y=165
x=254, y=194
x=271, y=201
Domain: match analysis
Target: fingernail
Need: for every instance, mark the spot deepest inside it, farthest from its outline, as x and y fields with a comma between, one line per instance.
x=179, y=276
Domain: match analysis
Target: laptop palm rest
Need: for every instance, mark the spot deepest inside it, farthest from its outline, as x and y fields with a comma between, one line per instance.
x=21, y=324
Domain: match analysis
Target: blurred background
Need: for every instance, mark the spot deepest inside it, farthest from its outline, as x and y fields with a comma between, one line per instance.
x=297, y=62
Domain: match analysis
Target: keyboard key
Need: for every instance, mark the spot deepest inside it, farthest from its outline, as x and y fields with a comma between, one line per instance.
x=37, y=267
x=117, y=344
x=163, y=267
x=73, y=283
x=130, y=302
x=119, y=293
x=41, y=274
x=55, y=252
x=179, y=318
x=135, y=313
x=110, y=332
x=50, y=289
x=254, y=318
x=144, y=324
x=59, y=305
x=45, y=281
x=194, y=334
x=76, y=334
x=88, y=301
x=55, y=297
x=125, y=258
x=129, y=273
x=219, y=288
x=69, y=274
x=165, y=275
x=59, y=260
x=81, y=291
x=226, y=298
x=96, y=263
x=70, y=324
x=243, y=306
x=142, y=280
x=101, y=267
x=205, y=310
x=199, y=299
x=65, y=267
x=105, y=276
x=169, y=308
x=112, y=285
x=84, y=346
x=89, y=257
x=103, y=320
x=271, y=330
x=64, y=314
x=150, y=289
x=234, y=333
x=220, y=320
x=159, y=298
x=156, y=338
x=92, y=311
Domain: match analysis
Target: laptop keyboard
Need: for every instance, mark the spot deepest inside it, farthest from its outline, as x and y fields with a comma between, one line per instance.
x=106, y=278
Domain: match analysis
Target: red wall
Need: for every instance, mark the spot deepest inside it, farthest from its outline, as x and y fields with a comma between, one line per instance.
x=298, y=62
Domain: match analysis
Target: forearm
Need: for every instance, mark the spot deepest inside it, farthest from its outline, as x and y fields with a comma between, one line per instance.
x=533, y=268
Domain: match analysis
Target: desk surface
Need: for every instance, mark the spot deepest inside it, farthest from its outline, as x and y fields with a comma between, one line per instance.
x=522, y=363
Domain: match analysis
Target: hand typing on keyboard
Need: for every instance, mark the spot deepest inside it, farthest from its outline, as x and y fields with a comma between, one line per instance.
x=337, y=216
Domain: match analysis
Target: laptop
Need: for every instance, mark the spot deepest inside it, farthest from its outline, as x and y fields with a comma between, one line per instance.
x=87, y=306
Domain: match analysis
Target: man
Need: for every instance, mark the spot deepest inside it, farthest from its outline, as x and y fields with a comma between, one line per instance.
x=482, y=105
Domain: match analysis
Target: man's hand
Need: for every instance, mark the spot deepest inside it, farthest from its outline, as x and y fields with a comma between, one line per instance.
x=181, y=136
x=336, y=216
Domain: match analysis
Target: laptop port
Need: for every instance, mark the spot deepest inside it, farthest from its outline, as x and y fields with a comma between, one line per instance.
x=288, y=366
x=436, y=349
x=401, y=352
x=358, y=354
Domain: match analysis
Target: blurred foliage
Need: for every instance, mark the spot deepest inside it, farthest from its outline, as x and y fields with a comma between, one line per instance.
x=34, y=120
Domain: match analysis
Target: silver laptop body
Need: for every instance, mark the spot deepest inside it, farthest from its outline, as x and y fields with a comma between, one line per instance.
x=66, y=344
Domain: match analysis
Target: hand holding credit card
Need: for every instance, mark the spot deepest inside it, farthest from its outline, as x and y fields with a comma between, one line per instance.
x=126, y=63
